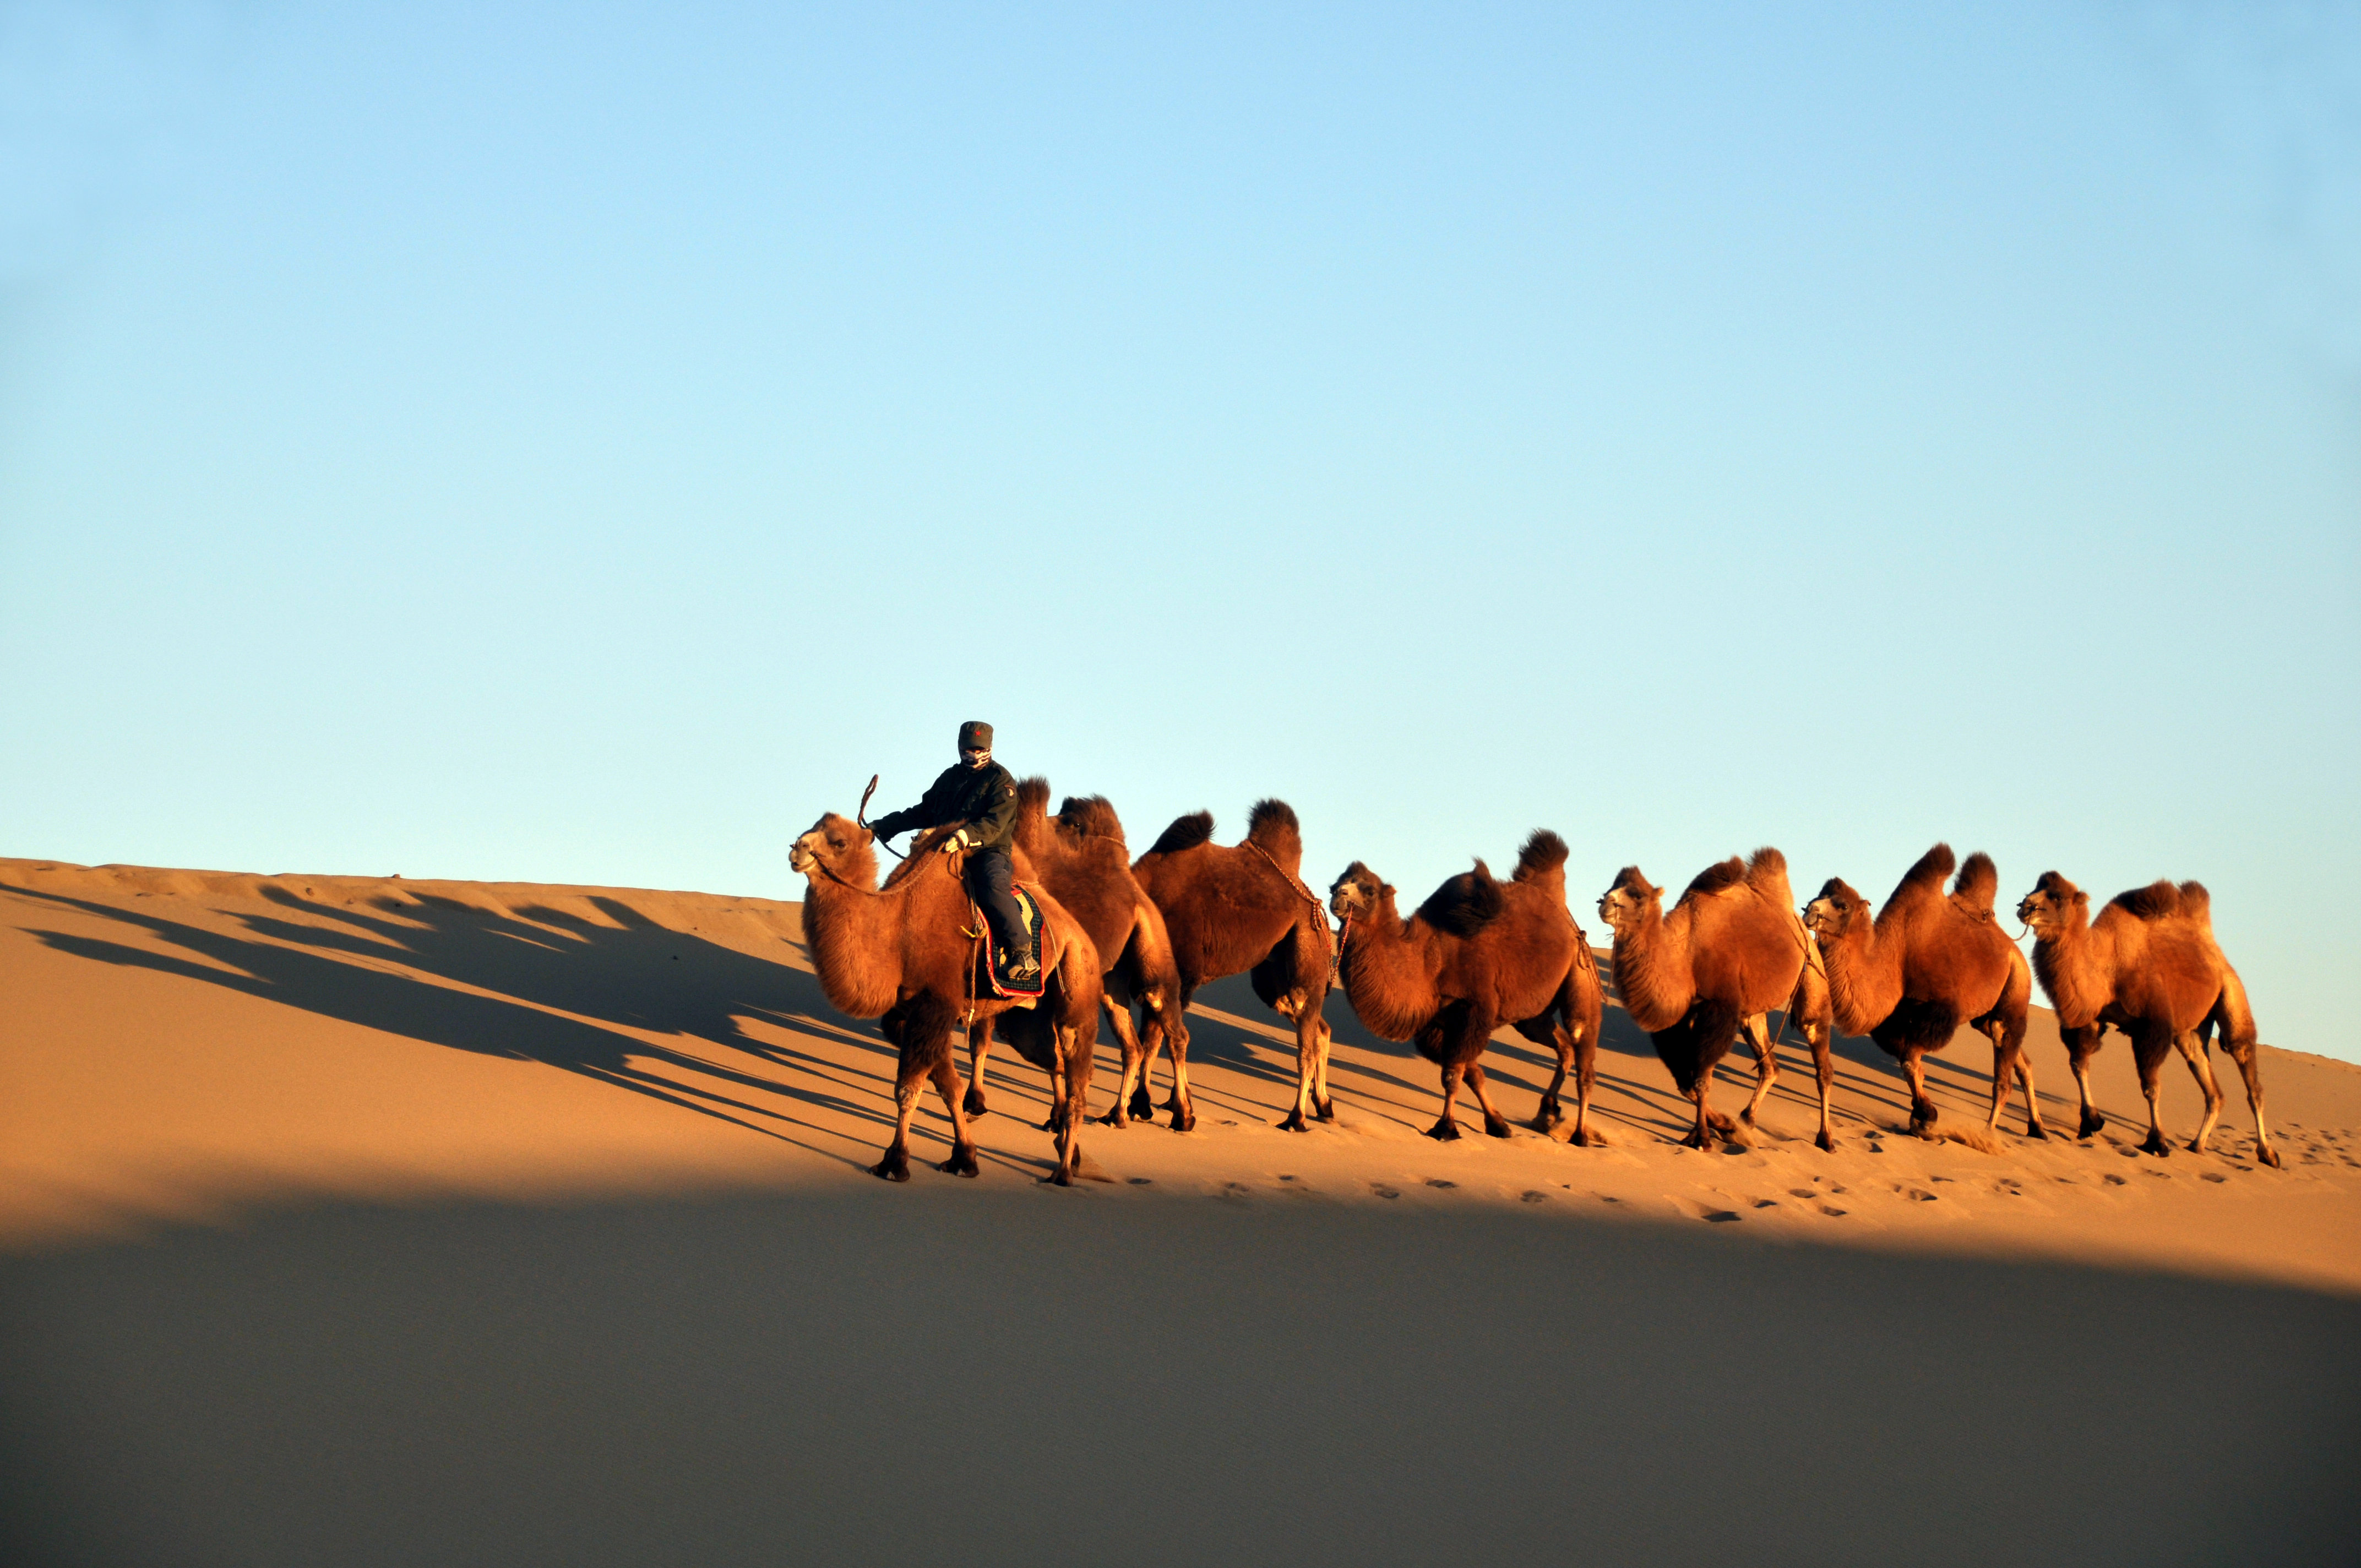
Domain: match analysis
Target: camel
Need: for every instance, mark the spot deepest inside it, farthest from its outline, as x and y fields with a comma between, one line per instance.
x=906, y=954
x=1079, y=857
x=1243, y=907
x=1925, y=963
x=1730, y=952
x=1478, y=953
x=2148, y=965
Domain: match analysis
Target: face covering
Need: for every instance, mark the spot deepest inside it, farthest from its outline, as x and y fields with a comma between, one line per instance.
x=975, y=759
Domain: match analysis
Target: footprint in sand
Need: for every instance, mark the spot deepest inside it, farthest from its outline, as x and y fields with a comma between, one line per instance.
x=1801, y=1192
x=1236, y=1190
x=2117, y=1181
x=1696, y=1211
x=1438, y=1181
x=1832, y=1212
x=1384, y=1191
x=1142, y=1182
x=1532, y=1197
x=2211, y=1177
x=1919, y=1195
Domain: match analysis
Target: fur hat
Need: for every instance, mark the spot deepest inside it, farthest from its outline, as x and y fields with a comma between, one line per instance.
x=975, y=735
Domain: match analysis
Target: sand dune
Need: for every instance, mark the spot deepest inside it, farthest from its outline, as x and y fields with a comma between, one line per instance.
x=360, y=1219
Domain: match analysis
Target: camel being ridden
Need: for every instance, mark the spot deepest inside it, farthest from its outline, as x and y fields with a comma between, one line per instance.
x=1080, y=858
x=1731, y=951
x=2149, y=966
x=1927, y=963
x=1478, y=953
x=1242, y=906
x=906, y=954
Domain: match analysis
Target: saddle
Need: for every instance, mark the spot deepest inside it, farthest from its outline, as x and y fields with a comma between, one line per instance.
x=997, y=962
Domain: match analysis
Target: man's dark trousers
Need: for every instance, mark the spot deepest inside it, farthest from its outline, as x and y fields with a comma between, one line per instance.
x=989, y=878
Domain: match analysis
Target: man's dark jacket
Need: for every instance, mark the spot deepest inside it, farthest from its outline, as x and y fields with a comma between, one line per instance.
x=985, y=798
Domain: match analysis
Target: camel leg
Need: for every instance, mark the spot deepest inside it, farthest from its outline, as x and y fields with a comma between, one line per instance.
x=1495, y=1125
x=1923, y=1114
x=2081, y=1045
x=1766, y=1064
x=2200, y=1067
x=2024, y=1064
x=1701, y=1135
x=1307, y=1067
x=1446, y=1126
x=979, y=1048
x=1542, y=1032
x=910, y=1072
x=1118, y=1011
x=1824, y=1069
x=2150, y=1044
x=1322, y=1106
x=2003, y=1076
x=1586, y=1074
x=1152, y=1037
x=2250, y=1068
x=947, y=1082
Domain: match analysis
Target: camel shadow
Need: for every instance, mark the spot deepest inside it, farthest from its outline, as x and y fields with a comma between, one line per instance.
x=521, y=974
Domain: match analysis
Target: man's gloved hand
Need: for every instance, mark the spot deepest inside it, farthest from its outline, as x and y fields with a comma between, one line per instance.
x=878, y=832
x=955, y=843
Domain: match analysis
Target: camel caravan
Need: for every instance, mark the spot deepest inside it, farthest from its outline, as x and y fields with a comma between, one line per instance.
x=1136, y=938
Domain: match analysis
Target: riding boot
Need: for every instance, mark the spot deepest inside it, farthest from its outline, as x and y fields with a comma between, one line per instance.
x=1026, y=967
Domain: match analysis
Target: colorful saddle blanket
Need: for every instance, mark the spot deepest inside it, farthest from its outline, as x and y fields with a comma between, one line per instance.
x=997, y=961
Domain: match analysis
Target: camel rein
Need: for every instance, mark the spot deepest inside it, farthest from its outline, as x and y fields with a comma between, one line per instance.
x=1320, y=910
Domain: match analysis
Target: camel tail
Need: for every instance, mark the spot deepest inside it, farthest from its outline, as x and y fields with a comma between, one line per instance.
x=1090, y=817
x=1185, y=833
x=1272, y=826
x=1543, y=857
x=1930, y=869
x=1465, y=904
x=1978, y=885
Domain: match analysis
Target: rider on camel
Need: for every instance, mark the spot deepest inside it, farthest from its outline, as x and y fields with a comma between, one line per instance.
x=978, y=794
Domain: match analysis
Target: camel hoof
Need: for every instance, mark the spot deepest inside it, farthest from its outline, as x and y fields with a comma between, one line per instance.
x=894, y=1167
x=1142, y=1106
x=961, y=1163
x=2268, y=1156
x=2091, y=1122
x=1061, y=1177
x=1185, y=1122
x=974, y=1104
x=1825, y=1144
x=1324, y=1110
x=1295, y=1123
x=1496, y=1126
x=1696, y=1140
x=1581, y=1139
x=1445, y=1131
x=2157, y=1147
x=2196, y=1145
x=2039, y=1132
x=1115, y=1117
x=1721, y=1124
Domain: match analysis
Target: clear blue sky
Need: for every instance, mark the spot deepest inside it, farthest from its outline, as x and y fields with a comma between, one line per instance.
x=584, y=442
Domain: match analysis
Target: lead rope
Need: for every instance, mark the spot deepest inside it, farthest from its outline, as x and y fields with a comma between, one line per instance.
x=1319, y=914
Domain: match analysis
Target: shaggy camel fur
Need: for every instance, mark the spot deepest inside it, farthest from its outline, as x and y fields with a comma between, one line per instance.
x=1730, y=952
x=905, y=954
x=2149, y=966
x=1079, y=856
x=1478, y=953
x=1926, y=964
x=1243, y=907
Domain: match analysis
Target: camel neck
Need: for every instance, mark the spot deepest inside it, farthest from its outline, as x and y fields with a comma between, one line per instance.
x=1652, y=969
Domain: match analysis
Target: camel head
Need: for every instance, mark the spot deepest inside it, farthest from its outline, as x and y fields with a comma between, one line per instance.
x=837, y=847
x=1356, y=894
x=1628, y=900
x=2054, y=906
x=1834, y=911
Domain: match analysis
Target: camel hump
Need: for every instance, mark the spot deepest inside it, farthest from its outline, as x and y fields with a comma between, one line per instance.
x=1930, y=871
x=1465, y=904
x=1185, y=833
x=1543, y=857
x=1272, y=827
x=2160, y=900
x=2197, y=903
x=1717, y=879
x=1766, y=873
x=1089, y=816
x=1032, y=797
x=1978, y=885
